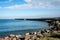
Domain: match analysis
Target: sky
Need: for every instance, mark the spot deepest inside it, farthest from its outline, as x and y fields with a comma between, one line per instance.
x=10, y=9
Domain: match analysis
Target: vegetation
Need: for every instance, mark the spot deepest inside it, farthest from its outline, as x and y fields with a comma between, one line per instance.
x=55, y=36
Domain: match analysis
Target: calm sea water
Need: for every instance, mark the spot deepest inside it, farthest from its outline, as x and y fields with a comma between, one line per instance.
x=11, y=25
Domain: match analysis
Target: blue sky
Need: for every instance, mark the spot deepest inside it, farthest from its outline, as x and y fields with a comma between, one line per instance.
x=10, y=9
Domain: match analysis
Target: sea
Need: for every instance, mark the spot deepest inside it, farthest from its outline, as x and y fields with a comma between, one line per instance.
x=11, y=26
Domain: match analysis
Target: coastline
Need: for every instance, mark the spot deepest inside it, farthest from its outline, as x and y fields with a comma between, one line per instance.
x=45, y=34
x=22, y=32
x=36, y=34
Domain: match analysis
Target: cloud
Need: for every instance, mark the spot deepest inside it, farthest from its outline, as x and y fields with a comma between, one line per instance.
x=20, y=6
x=46, y=3
x=28, y=1
x=51, y=4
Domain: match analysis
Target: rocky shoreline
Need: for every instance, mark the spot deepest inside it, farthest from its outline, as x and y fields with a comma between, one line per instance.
x=44, y=34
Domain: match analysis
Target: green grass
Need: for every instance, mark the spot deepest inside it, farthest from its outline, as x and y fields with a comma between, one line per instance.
x=49, y=36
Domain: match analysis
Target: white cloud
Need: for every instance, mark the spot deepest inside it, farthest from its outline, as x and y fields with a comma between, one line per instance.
x=28, y=1
x=36, y=4
x=44, y=3
x=20, y=6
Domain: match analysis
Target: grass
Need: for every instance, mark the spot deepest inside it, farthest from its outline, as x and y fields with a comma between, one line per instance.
x=49, y=36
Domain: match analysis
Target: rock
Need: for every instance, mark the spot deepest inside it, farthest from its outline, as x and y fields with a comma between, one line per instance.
x=33, y=37
x=48, y=31
x=18, y=36
x=14, y=38
x=12, y=35
x=27, y=36
x=7, y=38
